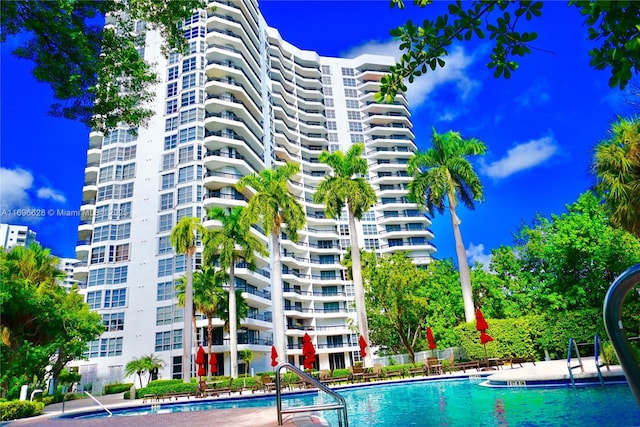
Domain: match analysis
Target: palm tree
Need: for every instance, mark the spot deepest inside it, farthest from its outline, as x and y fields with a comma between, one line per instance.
x=135, y=366
x=617, y=167
x=184, y=241
x=228, y=244
x=443, y=175
x=347, y=187
x=274, y=205
x=207, y=296
x=150, y=363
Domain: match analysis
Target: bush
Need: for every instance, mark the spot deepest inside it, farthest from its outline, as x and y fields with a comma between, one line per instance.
x=19, y=409
x=117, y=388
x=165, y=387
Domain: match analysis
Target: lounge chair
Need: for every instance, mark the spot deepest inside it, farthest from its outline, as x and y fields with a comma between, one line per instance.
x=417, y=370
x=357, y=373
x=268, y=383
x=433, y=366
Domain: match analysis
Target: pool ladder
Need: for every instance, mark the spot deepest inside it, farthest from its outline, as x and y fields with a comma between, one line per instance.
x=599, y=364
x=340, y=405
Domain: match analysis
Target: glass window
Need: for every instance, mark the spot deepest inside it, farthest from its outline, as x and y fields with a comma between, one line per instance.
x=115, y=298
x=170, y=141
x=165, y=222
x=163, y=341
x=126, y=190
x=98, y=254
x=164, y=315
x=172, y=89
x=353, y=115
x=331, y=125
x=181, y=213
x=172, y=73
x=123, y=231
x=349, y=82
x=166, y=201
x=355, y=127
x=172, y=106
x=185, y=155
x=167, y=181
x=185, y=174
x=168, y=161
x=348, y=71
x=353, y=103
x=164, y=245
x=351, y=93
x=113, y=322
x=166, y=291
x=185, y=195
x=94, y=299
x=189, y=64
x=165, y=267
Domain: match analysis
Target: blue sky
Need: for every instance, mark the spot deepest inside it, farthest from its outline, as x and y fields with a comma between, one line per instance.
x=540, y=126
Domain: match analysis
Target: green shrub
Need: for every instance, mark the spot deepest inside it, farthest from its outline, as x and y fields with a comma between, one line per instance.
x=117, y=388
x=165, y=387
x=341, y=372
x=19, y=409
x=164, y=383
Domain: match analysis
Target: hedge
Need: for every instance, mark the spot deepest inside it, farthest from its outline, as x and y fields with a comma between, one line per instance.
x=19, y=409
x=117, y=388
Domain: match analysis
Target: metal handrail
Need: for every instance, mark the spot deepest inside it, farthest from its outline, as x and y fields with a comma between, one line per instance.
x=613, y=323
x=572, y=345
x=340, y=405
x=596, y=350
x=98, y=402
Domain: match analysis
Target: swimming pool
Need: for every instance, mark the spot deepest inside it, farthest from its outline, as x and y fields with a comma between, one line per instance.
x=452, y=403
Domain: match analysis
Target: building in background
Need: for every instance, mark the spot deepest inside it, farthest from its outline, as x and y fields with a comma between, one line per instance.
x=242, y=100
x=67, y=266
x=16, y=235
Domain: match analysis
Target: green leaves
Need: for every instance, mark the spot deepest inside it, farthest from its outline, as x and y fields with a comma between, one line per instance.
x=613, y=24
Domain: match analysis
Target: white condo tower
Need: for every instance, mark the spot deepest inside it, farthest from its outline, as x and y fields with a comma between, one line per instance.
x=242, y=100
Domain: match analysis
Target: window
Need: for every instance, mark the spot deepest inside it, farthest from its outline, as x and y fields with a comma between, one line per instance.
x=344, y=230
x=106, y=174
x=126, y=190
x=121, y=253
x=94, y=299
x=113, y=322
x=185, y=195
x=181, y=213
x=166, y=201
x=117, y=275
x=105, y=193
x=392, y=227
x=185, y=155
x=353, y=103
x=369, y=229
x=325, y=69
x=328, y=91
x=110, y=347
x=163, y=341
x=174, y=57
x=188, y=98
x=170, y=124
x=165, y=222
x=166, y=291
x=355, y=127
x=188, y=81
x=326, y=80
x=180, y=263
x=108, y=155
x=191, y=115
x=332, y=137
x=351, y=93
x=172, y=106
x=194, y=32
x=115, y=298
x=123, y=231
x=128, y=171
x=328, y=102
x=172, y=73
x=128, y=153
x=356, y=137
x=92, y=349
x=189, y=64
x=167, y=181
x=191, y=134
x=185, y=174
x=331, y=307
x=164, y=315
x=394, y=242
x=164, y=245
x=168, y=161
x=353, y=115
x=369, y=216
x=165, y=267
x=330, y=114
x=331, y=125
x=348, y=72
x=371, y=244
x=349, y=82
x=98, y=254
x=172, y=89
x=100, y=234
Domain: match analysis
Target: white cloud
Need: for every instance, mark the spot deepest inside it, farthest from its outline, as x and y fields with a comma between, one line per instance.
x=454, y=71
x=536, y=95
x=14, y=187
x=521, y=157
x=475, y=254
x=50, y=193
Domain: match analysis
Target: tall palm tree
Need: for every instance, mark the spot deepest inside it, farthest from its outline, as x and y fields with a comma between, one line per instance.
x=207, y=296
x=274, y=205
x=346, y=186
x=229, y=244
x=443, y=175
x=150, y=363
x=184, y=241
x=617, y=168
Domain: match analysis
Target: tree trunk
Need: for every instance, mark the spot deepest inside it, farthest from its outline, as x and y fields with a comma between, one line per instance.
x=358, y=288
x=209, y=339
x=279, y=332
x=463, y=266
x=187, y=339
x=233, y=321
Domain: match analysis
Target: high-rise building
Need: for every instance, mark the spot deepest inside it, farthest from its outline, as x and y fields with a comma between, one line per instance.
x=67, y=265
x=16, y=235
x=241, y=100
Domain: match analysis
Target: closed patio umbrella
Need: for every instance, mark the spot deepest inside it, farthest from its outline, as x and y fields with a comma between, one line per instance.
x=363, y=345
x=274, y=356
x=432, y=342
x=308, y=351
x=213, y=362
x=482, y=326
x=202, y=370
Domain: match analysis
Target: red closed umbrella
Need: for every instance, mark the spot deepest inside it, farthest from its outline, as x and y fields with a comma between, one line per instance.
x=481, y=324
x=363, y=345
x=432, y=342
x=308, y=351
x=484, y=338
x=274, y=356
x=202, y=370
x=213, y=362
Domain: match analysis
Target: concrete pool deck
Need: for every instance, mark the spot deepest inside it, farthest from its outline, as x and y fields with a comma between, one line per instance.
x=549, y=371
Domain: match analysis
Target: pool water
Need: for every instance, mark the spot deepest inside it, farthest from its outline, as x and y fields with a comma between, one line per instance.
x=453, y=403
